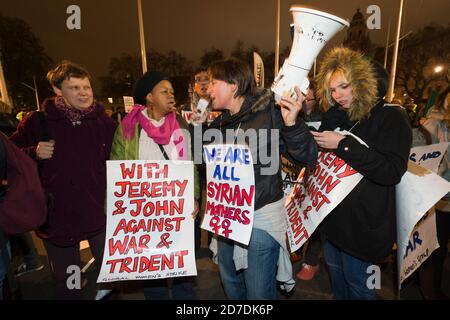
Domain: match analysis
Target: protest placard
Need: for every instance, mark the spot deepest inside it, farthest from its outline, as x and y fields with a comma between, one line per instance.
x=429, y=156
x=230, y=190
x=128, y=103
x=416, y=193
x=422, y=242
x=329, y=184
x=150, y=229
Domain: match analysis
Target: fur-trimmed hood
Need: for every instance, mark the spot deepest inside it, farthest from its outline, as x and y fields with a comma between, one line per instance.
x=361, y=75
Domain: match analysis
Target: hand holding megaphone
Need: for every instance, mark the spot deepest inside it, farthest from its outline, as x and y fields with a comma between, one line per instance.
x=312, y=30
x=290, y=107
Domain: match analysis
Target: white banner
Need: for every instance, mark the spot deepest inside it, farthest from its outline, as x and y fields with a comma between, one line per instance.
x=330, y=183
x=230, y=191
x=416, y=193
x=150, y=230
x=429, y=156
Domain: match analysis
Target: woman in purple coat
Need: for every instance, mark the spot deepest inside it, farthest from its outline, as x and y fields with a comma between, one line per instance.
x=70, y=141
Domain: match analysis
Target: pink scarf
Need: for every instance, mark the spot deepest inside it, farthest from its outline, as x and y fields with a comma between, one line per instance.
x=162, y=135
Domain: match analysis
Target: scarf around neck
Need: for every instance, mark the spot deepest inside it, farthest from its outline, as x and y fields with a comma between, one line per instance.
x=72, y=114
x=162, y=135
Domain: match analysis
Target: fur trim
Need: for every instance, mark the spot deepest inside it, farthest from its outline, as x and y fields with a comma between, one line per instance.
x=360, y=74
x=264, y=97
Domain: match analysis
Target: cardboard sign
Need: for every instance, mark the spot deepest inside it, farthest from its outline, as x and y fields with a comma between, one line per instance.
x=230, y=191
x=416, y=193
x=422, y=242
x=430, y=156
x=150, y=229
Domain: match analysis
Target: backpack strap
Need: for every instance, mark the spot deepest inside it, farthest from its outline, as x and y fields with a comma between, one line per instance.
x=163, y=152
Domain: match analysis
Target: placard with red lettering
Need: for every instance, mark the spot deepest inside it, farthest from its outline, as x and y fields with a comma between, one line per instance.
x=329, y=184
x=191, y=117
x=150, y=229
x=230, y=191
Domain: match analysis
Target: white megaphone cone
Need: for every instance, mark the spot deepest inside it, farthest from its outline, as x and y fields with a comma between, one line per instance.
x=312, y=30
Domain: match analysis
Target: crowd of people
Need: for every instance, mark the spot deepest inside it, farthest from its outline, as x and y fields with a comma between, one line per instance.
x=69, y=143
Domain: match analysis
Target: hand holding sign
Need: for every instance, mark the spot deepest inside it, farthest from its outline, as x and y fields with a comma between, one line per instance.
x=328, y=139
x=196, y=210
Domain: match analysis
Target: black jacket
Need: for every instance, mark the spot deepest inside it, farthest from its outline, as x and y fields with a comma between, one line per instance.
x=295, y=142
x=364, y=223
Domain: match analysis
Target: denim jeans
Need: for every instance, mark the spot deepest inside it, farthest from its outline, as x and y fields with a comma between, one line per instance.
x=258, y=281
x=182, y=289
x=348, y=275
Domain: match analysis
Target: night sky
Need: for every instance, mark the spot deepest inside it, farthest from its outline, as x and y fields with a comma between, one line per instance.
x=109, y=28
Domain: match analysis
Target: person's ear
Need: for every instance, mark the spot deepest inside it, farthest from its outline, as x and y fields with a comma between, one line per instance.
x=57, y=91
x=234, y=88
x=149, y=98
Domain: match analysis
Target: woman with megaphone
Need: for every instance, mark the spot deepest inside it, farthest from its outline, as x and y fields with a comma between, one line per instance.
x=250, y=272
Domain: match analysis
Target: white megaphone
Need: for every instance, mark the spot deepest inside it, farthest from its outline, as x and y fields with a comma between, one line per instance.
x=312, y=30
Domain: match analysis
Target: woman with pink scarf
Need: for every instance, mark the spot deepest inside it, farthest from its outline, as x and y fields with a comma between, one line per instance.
x=151, y=131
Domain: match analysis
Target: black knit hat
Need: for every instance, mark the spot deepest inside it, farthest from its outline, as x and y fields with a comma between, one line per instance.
x=145, y=84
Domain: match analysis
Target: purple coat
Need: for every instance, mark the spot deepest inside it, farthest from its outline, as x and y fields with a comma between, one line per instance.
x=76, y=174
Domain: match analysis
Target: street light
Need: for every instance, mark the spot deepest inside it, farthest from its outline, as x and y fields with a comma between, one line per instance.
x=35, y=92
x=438, y=69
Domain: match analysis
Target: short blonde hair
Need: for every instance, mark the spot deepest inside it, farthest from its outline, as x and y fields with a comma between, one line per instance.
x=64, y=71
x=359, y=73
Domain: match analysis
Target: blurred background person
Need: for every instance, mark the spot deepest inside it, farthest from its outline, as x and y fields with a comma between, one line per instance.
x=438, y=125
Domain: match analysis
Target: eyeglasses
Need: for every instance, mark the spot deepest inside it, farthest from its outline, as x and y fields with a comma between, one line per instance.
x=201, y=80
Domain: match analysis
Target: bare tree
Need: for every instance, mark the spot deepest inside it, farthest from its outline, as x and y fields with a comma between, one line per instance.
x=23, y=58
x=420, y=54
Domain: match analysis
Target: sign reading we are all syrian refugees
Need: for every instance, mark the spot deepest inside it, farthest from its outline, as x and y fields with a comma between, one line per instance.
x=150, y=229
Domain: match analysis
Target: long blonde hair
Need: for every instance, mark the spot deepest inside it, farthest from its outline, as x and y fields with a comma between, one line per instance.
x=359, y=73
